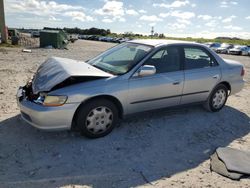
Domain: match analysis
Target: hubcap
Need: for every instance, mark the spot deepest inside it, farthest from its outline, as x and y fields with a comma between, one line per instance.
x=219, y=98
x=99, y=120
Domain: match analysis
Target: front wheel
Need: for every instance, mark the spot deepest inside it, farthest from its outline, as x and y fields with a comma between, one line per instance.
x=97, y=118
x=217, y=99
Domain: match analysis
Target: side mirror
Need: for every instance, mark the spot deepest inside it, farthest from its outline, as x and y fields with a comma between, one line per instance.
x=146, y=70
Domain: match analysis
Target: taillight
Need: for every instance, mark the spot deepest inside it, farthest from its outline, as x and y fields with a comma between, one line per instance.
x=242, y=71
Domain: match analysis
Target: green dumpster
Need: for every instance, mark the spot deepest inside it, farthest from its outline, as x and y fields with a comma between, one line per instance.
x=54, y=38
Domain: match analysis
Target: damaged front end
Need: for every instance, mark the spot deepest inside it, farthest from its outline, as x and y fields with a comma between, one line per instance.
x=57, y=73
x=43, y=98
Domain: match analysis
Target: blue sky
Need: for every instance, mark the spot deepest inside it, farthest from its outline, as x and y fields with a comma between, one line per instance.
x=179, y=18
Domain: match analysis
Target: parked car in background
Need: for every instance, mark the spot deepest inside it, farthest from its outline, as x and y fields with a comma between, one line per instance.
x=102, y=38
x=135, y=76
x=212, y=45
x=93, y=37
x=248, y=50
x=239, y=50
x=223, y=49
x=35, y=34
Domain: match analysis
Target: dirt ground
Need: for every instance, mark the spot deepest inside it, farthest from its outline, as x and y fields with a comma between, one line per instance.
x=166, y=148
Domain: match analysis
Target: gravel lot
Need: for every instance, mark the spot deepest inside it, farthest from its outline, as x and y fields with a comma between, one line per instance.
x=166, y=148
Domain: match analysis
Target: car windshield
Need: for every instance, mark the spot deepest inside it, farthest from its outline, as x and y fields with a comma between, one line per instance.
x=121, y=58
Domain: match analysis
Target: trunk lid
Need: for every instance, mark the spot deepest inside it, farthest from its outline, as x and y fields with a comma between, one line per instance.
x=55, y=70
x=232, y=62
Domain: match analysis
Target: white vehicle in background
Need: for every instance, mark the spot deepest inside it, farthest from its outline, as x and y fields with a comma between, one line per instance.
x=239, y=50
x=213, y=45
x=224, y=48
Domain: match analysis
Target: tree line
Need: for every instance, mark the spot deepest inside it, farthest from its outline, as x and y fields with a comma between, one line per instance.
x=76, y=30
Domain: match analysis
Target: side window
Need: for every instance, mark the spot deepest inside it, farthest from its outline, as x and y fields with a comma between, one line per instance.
x=159, y=54
x=165, y=60
x=196, y=58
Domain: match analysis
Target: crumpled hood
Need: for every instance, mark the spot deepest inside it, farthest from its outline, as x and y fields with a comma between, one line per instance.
x=55, y=70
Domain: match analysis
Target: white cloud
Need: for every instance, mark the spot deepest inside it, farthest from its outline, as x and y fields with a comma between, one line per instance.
x=227, y=3
x=234, y=3
x=248, y=17
x=78, y=16
x=205, y=17
x=182, y=15
x=142, y=11
x=52, y=18
x=111, y=8
x=211, y=23
x=122, y=20
x=114, y=11
x=176, y=26
x=228, y=19
x=164, y=15
x=175, y=4
x=152, y=18
x=107, y=20
x=132, y=12
x=40, y=8
x=193, y=5
x=183, y=21
x=231, y=27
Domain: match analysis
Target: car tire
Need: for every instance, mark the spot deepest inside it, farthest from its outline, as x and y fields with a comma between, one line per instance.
x=97, y=118
x=217, y=99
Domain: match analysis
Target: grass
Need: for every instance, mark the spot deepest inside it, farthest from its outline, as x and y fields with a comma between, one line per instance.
x=199, y=40
x=202, y=40
x=8, y=45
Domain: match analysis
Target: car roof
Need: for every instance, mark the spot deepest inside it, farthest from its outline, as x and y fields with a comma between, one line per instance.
x=156, y=42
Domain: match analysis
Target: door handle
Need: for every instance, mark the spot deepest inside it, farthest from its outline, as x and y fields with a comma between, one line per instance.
x=176, y=83
x=216, y=76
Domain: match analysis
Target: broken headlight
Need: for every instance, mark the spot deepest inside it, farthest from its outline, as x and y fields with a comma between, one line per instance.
x=54, y=100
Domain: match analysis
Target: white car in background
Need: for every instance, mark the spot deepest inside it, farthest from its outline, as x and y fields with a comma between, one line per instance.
x=224, y=48
x=239, y=50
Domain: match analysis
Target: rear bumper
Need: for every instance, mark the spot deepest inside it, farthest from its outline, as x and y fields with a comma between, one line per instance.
x=47, y=118
x=236, y=86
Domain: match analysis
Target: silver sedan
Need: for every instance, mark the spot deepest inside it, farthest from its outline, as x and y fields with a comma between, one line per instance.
x=132, y=77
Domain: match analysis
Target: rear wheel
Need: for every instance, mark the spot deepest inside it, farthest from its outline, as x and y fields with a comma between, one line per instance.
x=217, y=99
x=97, y=118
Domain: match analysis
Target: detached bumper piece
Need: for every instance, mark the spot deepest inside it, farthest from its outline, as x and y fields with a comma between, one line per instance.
x=231, y=163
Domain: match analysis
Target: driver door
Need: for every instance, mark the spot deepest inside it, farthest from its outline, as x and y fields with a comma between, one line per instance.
x=162, y=89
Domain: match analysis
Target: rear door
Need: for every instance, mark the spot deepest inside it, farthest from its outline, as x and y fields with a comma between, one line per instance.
x=201, y=72
x=162, y=89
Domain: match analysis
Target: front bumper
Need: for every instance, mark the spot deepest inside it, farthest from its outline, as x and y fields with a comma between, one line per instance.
x=47, y=118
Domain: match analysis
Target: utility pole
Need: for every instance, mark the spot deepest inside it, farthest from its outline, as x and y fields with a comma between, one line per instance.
x=152, y=32
x=2, y=23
